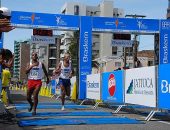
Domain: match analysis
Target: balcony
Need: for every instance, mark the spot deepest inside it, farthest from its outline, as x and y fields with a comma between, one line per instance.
x=52, y=58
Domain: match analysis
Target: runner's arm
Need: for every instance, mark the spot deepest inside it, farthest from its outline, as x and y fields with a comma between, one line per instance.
x=58, y=69
x=28, y=68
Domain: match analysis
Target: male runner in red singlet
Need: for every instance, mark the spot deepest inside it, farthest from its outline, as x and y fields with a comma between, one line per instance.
x=35, y=74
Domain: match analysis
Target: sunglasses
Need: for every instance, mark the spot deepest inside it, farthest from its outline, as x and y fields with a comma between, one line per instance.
x=3, y=17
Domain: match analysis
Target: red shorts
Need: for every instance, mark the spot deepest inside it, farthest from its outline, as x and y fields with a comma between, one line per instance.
x=32, y=84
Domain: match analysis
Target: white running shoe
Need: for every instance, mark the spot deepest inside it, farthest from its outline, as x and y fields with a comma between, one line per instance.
x=62, y=108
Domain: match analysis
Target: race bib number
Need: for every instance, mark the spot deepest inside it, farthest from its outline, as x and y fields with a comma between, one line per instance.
x=34, y=73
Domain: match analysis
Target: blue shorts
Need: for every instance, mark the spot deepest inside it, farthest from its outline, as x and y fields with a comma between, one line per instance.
x=65, y=82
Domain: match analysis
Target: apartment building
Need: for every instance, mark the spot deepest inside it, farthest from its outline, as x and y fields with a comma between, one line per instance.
x=22, y=57
x=101, y=42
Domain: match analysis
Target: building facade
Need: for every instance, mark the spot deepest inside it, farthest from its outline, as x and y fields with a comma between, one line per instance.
x=22, y=57
x=101, y=42
x=108, y=64
x=49, y=54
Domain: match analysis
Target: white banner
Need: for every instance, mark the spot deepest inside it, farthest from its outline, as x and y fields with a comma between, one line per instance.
x=122, y=43
x=42, y=40
x=140, y=86
x=93, y=87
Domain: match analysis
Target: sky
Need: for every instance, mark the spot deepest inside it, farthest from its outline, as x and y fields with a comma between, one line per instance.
x=152, y=9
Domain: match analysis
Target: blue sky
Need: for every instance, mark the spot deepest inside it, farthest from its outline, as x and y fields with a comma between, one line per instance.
x=154, y=9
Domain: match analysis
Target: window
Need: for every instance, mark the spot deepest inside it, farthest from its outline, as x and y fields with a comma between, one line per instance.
x=76, y=10
x=114, y=50
x=117, y=64
x=52, y=53
x=130, y=65
x=150, y=63
x=129, y=51
x=52, y=63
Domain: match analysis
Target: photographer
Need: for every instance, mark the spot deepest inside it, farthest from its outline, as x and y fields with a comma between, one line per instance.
x=6, y=57
x=5, y=16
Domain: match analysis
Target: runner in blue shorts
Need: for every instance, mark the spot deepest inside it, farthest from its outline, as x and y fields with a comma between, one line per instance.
x=65, y=70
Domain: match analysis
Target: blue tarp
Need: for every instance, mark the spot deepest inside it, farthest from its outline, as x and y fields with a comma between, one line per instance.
x=53, y=107
x=77, y=121
x=75, y=113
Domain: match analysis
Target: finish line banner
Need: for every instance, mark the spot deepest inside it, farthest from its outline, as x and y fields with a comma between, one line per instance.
x=105, y=24
x=42, y=20
x=85, y=55
x=164, y=42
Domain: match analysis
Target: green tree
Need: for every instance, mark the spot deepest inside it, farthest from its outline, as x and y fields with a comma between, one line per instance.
x=73, y=49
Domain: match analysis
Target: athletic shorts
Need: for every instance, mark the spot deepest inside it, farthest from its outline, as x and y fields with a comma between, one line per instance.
x=32, y=84
x=64, y=82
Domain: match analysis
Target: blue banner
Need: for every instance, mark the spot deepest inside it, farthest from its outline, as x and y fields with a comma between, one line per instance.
x=112, y=86
x=85, y=54
x=164, y=42
x=53, y=86
x=164, y=86
x=42, y=20
x=125, y=25
x=1, y=40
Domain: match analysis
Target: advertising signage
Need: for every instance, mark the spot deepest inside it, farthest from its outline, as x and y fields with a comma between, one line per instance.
x=164, y=41
x=85, y=54
x=42, y=20
x=164, y=86
x=125, y=25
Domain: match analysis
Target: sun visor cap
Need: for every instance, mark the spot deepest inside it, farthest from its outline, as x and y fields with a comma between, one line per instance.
x=5, y=11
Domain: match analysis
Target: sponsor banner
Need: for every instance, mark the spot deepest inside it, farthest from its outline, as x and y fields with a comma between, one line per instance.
x=164, y=86
x=42, y=40
x=140, y=86
x=42, y=20
x=164, y=41
x=85, y=54
x=1, y=40
x=122, y=43
x=112, y=86
x=125, y=25
x=93, y=87
x=53, y=86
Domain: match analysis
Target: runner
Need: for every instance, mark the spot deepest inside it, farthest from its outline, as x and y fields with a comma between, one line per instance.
x=65, y=70
x=35, y=73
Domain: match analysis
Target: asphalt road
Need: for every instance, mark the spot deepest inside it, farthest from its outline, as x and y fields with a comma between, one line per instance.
x=158, y=122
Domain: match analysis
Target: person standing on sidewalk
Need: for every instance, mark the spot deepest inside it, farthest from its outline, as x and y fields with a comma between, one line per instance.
x=65, y=70
x=35, y=75
x=6, y=77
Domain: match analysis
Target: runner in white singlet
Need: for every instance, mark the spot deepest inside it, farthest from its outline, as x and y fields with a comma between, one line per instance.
x=65, y=70
x=35, y=74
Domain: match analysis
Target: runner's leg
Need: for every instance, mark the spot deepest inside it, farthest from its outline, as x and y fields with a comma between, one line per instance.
x=29, y=99
x=35, y=94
